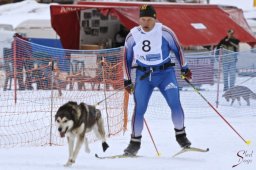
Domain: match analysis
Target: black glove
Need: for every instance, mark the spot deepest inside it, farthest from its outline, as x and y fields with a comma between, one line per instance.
x=186, y=74
x=128, y=86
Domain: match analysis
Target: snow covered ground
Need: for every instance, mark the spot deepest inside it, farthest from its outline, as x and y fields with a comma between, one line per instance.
x=204, y=132
x=204, y=128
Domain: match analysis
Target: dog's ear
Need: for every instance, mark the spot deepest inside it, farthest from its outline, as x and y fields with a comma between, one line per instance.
x=57, y=113
x=72, y=103
x=82, y=108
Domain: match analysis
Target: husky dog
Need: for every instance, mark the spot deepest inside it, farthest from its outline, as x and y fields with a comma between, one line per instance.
x=239, y=91
x=75, y=121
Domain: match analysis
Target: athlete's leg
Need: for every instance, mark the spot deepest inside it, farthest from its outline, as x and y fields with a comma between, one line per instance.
x=169, y=89
x=142, y=92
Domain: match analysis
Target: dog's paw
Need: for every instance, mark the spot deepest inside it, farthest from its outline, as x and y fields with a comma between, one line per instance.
x=69, y=163
x=105, y=146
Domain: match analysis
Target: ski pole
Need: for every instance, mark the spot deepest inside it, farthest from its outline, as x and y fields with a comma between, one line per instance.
x=246, y=141
x=107, y=97
x=158, y=154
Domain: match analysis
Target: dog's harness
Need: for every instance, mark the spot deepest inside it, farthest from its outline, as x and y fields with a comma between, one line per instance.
x=149, y=70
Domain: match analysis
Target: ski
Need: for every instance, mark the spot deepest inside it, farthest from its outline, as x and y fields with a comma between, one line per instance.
x=186, y=149
x=190, y=149
x=116, y=156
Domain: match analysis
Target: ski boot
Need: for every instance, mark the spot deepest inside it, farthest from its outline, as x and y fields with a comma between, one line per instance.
x=133, y=146
x=181, y=138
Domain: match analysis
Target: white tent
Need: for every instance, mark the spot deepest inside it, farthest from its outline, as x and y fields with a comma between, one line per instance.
x=16, y=13
x=6, y=38
x=28, y=17
x=5, y=42
x=37, y=28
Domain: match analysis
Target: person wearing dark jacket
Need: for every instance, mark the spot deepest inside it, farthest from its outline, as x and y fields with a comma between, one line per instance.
x=230, y=46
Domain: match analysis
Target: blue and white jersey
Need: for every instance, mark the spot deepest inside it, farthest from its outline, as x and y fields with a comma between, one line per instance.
x=147, y=50
x=151, y=48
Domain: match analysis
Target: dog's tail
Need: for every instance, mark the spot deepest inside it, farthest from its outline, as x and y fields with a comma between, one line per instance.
x=253, y=96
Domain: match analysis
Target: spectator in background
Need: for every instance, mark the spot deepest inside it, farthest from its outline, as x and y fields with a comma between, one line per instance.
x=23, y=60
x=8, y=68
x=230, y=45
x=120, y=36
x=38, y=77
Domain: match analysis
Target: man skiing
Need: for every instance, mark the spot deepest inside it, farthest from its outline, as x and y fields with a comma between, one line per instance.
x=148, y=49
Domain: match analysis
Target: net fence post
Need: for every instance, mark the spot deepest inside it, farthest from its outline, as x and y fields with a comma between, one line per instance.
x=15, y=69
x=105, y=84
x=219, y=75
x=52, y=79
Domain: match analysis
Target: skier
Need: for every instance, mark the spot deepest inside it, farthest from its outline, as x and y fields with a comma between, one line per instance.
x=148, y=49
